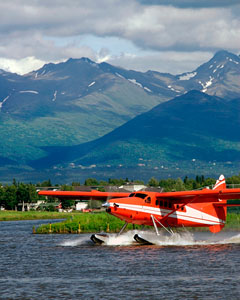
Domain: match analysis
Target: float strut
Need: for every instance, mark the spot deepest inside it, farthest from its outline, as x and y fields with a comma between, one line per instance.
x=122, y=229
x=154, y=220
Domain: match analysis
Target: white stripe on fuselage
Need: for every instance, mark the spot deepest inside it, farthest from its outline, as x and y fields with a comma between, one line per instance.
x=191, y=214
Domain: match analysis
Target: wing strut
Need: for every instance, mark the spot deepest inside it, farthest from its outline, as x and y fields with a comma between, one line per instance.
x=184, y=204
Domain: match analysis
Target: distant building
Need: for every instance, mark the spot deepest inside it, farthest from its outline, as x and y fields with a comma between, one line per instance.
x=25, y=206
x=128, y=187
x=81, y=205
x=133, y=187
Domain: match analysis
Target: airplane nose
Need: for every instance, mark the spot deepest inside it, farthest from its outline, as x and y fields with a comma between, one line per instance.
x=106, y=205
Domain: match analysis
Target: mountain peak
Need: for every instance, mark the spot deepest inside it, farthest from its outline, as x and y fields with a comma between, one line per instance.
x=87, y=60
x=224, y=56
x=221, y=54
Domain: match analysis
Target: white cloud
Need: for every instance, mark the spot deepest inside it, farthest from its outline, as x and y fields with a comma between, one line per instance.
x=166, y=62
x=56, y=30
x=21, y=66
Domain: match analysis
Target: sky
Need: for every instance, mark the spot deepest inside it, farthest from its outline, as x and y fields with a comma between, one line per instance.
x=162, y=35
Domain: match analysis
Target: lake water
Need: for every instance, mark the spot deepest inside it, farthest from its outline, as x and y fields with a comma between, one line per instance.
x=186, y=266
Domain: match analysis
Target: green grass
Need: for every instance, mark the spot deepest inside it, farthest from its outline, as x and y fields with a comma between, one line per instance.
x=233, y=221
x=89, y=222
x=97, y=222
x=85, y=223
x=11, y=215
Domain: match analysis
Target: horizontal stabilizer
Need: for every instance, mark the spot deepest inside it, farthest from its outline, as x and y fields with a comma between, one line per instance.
x=219, y=204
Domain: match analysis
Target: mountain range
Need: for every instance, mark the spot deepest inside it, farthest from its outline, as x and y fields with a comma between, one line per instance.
x=84, y=118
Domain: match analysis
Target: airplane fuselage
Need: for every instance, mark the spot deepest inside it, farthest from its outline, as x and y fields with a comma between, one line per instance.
x=139, y=208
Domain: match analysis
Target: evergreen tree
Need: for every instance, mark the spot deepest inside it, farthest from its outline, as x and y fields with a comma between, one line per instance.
x=179, y=186
x=76, y=183
x=10, y=197
x=46, y=183
x=67, y=203
x=1, y=195
x=153, y=182
x=66, y=187
x=91, y=182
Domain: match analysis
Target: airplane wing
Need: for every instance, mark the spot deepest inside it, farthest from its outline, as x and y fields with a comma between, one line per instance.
x=205, y=195
x=80, y=195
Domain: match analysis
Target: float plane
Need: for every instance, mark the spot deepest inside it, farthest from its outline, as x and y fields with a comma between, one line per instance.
x=195, y=208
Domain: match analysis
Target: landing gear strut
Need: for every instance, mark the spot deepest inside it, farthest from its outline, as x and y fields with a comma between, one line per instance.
x=154, y=220
x=123, y=228
x=142, y=240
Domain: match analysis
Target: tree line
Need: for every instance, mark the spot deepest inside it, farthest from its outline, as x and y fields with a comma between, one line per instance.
x=18, y=192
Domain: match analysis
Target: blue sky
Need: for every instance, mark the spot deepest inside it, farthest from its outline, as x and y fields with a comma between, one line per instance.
x=167, y=36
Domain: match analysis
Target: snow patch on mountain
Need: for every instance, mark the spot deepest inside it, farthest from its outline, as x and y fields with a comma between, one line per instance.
x=207, y=84
x=91, y=84
x=234, y=61
x=5, y=99
x=218, y=67
x=172, y=89
x=28, y=91
x=187, y=76
x=147, y=89
x=134, y=81
x=54, y=96
x=119, y=75
x=87, y=60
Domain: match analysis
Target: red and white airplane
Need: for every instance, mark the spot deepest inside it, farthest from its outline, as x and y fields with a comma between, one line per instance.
x=196, y=208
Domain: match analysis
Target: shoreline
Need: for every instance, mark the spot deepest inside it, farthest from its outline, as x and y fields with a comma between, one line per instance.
x=98, y=221
x=9, y=215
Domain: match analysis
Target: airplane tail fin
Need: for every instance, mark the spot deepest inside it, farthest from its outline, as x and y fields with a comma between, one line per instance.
x=221, y=211
x=220, y=183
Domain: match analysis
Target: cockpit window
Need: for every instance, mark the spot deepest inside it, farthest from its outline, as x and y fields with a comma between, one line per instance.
x=140, y=195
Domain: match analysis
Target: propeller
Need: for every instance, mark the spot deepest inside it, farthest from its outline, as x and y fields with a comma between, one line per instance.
x=106, y=204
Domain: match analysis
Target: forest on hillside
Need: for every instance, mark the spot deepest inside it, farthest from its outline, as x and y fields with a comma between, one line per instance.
x=18, y=192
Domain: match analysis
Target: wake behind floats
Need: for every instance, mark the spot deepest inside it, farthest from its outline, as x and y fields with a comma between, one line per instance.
x=196, y=208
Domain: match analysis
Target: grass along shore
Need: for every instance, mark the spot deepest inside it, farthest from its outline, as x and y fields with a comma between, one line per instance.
x=85, y=223
x=98, y=222
x=77, y=222
x=12, y=215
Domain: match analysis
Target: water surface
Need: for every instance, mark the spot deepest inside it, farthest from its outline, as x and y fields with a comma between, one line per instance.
x=199, y=266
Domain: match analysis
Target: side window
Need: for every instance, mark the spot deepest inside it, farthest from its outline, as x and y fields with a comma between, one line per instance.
x=183, y=208
x=148, y=200
x=157, y=202
x=161, y=203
